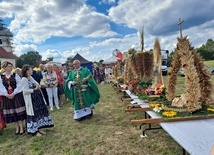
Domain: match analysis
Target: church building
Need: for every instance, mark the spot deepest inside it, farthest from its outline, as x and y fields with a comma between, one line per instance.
x=6, y=50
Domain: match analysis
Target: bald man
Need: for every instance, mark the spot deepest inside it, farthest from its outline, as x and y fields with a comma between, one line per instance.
x=82, y=90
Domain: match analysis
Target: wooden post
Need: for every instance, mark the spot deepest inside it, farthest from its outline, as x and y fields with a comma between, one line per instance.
x=137, y=109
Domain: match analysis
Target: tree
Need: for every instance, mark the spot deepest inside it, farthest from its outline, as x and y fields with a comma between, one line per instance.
x=170, y=58
x=100, y=62
x=69, y=59
x=207, y=50
x=210, y=45
x=50, y=59
x=19, y=62
x=31, y=58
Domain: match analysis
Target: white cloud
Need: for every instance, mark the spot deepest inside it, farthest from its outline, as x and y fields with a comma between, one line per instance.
x=6, y=7
x=107, y=2
x=198, y=35
x=21, y=49
x=35, y=23
x=161, y=17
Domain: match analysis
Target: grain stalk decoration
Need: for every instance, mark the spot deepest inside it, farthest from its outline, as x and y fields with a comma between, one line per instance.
x=197, y=79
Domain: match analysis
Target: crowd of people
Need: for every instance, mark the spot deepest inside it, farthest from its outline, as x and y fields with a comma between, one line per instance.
x=26, y=95
x=23, y=101
x=102, y=74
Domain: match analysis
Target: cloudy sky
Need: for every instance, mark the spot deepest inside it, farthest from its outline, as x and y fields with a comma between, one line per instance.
x=94, y=28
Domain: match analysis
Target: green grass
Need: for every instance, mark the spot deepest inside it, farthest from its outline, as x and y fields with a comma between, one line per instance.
x=209, y=63
x=108, y=132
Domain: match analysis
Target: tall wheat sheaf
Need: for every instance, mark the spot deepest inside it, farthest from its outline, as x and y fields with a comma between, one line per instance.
x=141, y=63
x=197, y=79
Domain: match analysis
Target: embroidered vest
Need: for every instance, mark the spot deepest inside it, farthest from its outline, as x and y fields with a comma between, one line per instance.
x=9, y=83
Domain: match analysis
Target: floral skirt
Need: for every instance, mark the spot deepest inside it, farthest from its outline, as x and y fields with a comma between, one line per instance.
x=41, y=118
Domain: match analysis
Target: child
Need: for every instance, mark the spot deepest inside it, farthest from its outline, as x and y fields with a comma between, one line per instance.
x=2, y=123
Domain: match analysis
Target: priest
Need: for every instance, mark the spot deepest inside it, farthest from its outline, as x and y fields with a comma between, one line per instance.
x=82, y=90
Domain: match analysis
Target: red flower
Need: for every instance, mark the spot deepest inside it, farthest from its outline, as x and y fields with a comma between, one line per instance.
x=135, y=91
x=132, y=82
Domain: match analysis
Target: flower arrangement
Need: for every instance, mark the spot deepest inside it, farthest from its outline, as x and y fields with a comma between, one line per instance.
x=138, y=87
x=133, y=82
x=133, y=86
x=153, y=105
x=160, y=90
x=211, y=109
x=159, y=94
x=156, y=107
x=169, y=113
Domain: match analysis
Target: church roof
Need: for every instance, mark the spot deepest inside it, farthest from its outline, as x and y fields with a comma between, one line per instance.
x=82, y=60
x=5, y=54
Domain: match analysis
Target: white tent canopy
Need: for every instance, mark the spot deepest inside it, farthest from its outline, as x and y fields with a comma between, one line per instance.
x=110, y=60
x=52, y=62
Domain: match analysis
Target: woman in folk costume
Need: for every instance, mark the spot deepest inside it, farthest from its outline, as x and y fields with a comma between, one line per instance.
x=12, y=98
x=82, y=90
x=2, y=123
x=50, y=81
x=37, y=113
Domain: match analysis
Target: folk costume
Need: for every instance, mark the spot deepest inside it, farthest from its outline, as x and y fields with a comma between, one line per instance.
x=13, y=109
x=2, y=123
x=37, y=113
x=84, y=95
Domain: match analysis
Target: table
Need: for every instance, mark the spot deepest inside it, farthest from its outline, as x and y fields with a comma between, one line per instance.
x=131, y=95
x=196, y=136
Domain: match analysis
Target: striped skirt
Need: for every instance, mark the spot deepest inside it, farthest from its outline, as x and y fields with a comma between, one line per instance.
x=14, y=110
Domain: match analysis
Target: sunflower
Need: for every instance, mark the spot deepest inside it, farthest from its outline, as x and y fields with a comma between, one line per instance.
x=210, y=109
x=169, y=113
x=152, y=105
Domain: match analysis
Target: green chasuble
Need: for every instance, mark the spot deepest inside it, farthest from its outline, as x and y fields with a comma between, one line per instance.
x=84, y=95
